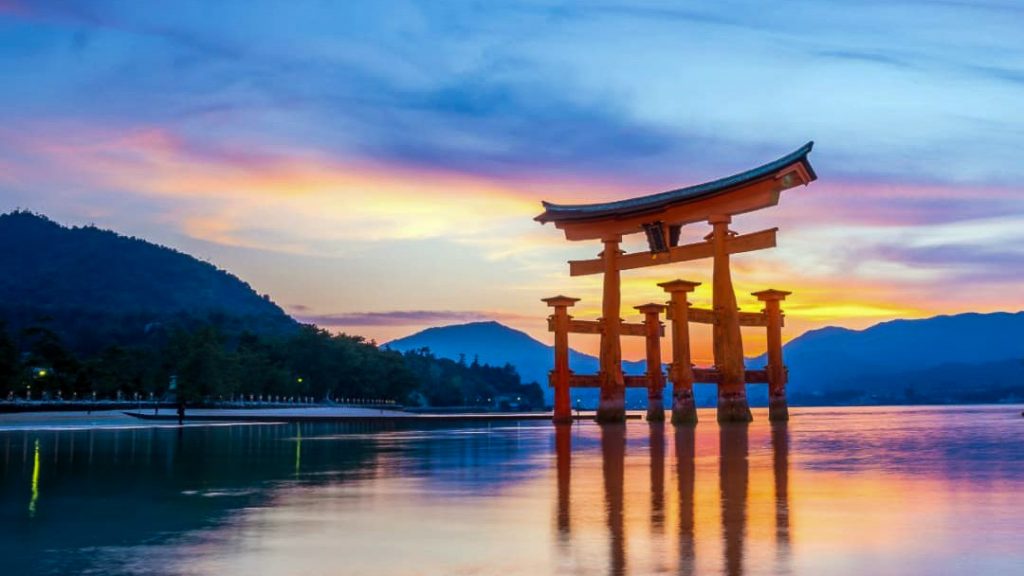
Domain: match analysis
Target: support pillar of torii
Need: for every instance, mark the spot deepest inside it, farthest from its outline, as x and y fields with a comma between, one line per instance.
x=560, y=375
x=684, y=410
x=655, y=377
x=778, y=408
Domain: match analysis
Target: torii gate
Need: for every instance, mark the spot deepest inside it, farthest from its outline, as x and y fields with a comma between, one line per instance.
x=661, y=217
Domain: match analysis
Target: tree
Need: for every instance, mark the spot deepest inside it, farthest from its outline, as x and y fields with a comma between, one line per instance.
x=212, y=358
x=9, y=365
x=203, y=367
x=260, y=366
x=52, y=367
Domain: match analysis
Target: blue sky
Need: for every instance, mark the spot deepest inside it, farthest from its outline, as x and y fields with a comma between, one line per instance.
x=387, y=157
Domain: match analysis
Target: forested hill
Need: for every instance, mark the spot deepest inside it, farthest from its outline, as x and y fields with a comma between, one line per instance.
x=91, y=283
x=86, y=311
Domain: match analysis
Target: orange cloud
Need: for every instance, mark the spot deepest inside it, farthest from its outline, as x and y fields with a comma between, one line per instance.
x=231, y=194
x=307, y=196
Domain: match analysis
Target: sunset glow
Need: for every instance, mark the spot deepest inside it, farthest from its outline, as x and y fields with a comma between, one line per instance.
x=377, y=172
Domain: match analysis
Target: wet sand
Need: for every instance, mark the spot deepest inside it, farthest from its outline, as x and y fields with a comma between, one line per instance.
x=66, y=420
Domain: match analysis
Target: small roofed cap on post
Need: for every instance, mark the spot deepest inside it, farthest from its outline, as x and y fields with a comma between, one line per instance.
x=556, y=301
x=652, y=308
x=771, y=294
x=679, y=286
x=656, y=202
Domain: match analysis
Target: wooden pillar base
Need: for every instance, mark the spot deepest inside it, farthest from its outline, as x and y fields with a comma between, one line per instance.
x=611, y=408
x=684, y=409
x=562, y=413
x=610, y=413
x=562, y=419
x=655, y=409
x=733, y=407
x=778, y=408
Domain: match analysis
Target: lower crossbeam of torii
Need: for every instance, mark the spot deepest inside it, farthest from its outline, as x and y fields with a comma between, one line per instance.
x=661, y=217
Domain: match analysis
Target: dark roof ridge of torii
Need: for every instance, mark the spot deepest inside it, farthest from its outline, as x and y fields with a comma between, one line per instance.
x=563, y=212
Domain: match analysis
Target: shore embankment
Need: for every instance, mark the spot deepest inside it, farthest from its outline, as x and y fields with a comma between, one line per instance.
x=335, y=414
x=98, y=419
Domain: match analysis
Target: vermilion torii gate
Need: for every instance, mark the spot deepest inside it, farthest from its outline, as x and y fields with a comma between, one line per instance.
x=661, y=217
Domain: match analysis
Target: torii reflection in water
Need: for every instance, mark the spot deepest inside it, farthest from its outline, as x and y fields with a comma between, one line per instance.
x=733, y=481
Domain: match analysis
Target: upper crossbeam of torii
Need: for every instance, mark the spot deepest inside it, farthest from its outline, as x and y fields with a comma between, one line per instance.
x=660, y=217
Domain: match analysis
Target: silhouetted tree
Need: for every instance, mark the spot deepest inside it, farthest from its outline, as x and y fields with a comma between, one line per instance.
x=9, y=365
x=50, y=367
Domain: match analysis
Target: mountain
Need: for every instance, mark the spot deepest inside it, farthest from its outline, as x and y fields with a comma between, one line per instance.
x=959, y=358
x=946, y=359
x=497, y=344
x=91, y=285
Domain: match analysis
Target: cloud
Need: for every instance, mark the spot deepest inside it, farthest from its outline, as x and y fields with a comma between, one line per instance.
x=370, y=141
x=632, y=92
x=479, y=124
x=863, y=56
x=289, y=201
x=14, y=7
x=962, y=263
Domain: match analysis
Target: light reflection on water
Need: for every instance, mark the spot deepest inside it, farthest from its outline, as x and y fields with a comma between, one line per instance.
x=836, y=491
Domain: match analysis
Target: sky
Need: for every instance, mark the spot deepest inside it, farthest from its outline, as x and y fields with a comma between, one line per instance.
x=375, y=166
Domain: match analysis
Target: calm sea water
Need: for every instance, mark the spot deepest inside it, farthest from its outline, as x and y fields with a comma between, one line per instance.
x=836, y=491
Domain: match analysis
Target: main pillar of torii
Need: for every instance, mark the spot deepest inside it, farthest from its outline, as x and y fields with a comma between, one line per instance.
x=660, y=217
x=612, y=404
x=728, y=343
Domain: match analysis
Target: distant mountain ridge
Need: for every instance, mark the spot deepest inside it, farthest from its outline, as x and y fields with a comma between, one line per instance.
x=963, y=358
x=83, y=275
x=496, y=344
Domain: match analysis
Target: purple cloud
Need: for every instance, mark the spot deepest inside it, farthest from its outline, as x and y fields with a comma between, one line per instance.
x=964, y=263
x=445, y=87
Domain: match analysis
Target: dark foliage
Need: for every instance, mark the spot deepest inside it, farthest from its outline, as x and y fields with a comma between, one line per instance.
x=98, y=287
x=445, y=382
x=206, y=366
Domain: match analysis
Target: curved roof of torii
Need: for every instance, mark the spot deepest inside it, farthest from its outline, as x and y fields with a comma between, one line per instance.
x=656, y=202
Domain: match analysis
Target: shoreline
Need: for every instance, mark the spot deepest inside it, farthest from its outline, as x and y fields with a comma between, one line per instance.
x=119, y=419
x=343, y=415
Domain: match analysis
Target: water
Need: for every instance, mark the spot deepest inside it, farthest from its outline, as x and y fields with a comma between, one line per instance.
x=837, y=491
